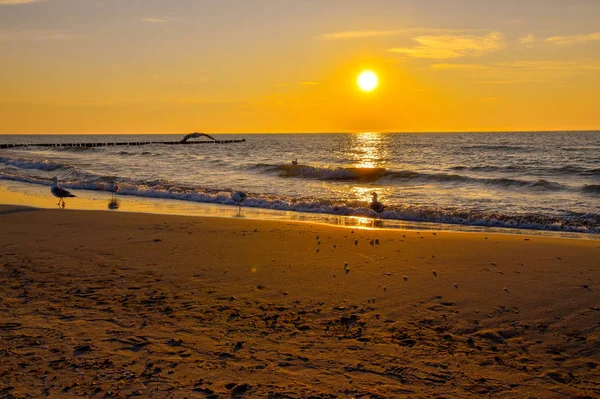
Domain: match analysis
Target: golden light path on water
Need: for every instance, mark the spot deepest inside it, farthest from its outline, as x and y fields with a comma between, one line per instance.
x=371, y=150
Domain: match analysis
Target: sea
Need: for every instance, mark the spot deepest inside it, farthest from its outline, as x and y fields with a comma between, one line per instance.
x=525, y=180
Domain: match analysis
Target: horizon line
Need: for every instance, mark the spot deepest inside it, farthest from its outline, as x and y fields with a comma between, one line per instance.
x=316, y=132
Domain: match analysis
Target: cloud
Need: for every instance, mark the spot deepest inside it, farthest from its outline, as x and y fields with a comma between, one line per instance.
x=358, y=34
x=14, y=2
x=590, y=37
x=468, y=67
x=548, y=65
x=362, y=34
x=452, y=46
x=154, y=20
x=9, y=36
x=527, y=39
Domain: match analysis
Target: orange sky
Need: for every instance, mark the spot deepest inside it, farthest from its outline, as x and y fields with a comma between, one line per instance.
x=150, y=66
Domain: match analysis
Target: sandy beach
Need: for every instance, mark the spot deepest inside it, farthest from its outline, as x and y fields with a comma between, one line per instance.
x=100, y=304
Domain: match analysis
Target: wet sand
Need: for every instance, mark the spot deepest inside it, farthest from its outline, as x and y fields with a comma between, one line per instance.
x=107, y=304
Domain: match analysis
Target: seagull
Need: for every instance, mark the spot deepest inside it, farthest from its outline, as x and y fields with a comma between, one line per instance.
x=196, y=135
x=377, y=206
x=239, y=197
x=59, y=192
x=113, y=187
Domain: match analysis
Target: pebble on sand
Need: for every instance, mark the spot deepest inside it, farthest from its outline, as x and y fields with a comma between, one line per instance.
x=434, y=273
x=455, y=285
x=405, y=278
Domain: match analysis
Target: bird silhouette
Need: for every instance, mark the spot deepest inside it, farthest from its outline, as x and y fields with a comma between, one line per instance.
x=239, y=197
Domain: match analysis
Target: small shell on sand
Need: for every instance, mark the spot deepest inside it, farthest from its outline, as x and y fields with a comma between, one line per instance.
x=455, y=285
x=505, y=289
x=434, y=273
x=405, y=278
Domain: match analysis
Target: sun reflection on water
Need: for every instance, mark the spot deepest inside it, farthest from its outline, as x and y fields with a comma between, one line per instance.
x=370, y=150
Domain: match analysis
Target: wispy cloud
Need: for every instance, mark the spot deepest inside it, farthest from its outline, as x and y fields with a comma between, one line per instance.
x=468, y=67
x=452, y=46
x=548, y=65
x=14, y=2
x=505, y=82
x=154, y=20
x=358, y=34
x=572, y=39
x=9, y=36
x=369, y=33
x=527, y=39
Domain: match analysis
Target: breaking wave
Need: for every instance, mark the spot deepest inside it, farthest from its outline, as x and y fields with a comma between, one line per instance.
x=375, y=174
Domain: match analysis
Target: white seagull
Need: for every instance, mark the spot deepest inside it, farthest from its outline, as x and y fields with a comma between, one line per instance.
x=59, y=192
x=239, y=197
x=377, y=206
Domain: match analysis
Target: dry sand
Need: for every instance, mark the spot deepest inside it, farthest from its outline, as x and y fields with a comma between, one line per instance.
x=107, y=304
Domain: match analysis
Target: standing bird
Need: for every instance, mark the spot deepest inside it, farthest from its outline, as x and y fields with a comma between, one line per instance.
x=295, y=161
x=59, y=192
x=239, y=197
x=113, y=187
x=377, y=206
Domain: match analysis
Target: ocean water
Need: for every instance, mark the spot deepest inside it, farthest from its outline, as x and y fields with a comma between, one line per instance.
x=545, y=180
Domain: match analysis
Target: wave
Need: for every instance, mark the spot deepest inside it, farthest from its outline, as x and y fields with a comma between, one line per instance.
x=591, y=189
x=323, y=173
x=563, y=170
x=44, y=165
x=374, y=174
x=582, y=223
x=498, y=147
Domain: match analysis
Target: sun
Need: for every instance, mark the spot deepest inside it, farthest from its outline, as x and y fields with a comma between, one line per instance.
x=367, y=80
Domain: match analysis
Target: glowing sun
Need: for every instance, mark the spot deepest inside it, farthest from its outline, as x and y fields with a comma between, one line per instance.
x=367, y=80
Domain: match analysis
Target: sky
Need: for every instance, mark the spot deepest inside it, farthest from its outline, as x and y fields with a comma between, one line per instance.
x=244, y=66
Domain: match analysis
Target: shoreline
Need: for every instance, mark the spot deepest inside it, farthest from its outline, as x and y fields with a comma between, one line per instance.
x=174, y=306
x=33, y=195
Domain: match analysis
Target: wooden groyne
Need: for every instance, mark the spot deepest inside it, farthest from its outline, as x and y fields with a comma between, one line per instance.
x=130, y=143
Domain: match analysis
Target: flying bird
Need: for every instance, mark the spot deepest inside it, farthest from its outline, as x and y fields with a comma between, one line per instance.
x=60, y=192
x=239, y=197
x=376, y=206
x=196, y=135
